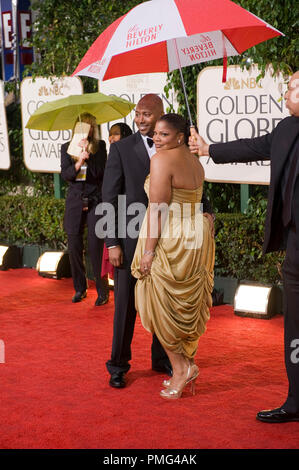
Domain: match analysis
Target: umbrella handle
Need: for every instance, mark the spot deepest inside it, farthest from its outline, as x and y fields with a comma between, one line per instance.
x=79, y=114
x=193, y=132
x=183, y=82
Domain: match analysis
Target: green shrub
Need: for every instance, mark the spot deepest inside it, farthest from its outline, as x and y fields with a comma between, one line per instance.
x=32, y=220
x=239, y=238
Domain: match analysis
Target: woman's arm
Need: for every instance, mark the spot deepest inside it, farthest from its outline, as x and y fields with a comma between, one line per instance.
x=159, y=197
x=70, y=168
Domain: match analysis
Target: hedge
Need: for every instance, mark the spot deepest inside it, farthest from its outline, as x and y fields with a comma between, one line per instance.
x=32, y=220
x=28, y=220
x=239, y=240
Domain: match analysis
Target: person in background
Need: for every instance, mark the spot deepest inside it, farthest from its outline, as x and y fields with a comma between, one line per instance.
x=118, y=131
x=85, y=176
x=281, y=147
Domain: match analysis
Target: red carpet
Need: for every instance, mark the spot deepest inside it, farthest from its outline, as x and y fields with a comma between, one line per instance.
x=54, y=384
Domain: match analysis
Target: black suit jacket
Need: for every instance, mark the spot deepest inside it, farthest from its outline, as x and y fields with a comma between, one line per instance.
x=276, y=147
x=92, y=187
x=127, y=167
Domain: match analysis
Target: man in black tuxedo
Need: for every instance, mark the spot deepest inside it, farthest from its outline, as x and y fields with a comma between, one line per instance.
x=127, y=168
x=281, y=147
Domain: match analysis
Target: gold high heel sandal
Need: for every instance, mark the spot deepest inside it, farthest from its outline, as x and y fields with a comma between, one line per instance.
x=166, y=382
x=172, y=393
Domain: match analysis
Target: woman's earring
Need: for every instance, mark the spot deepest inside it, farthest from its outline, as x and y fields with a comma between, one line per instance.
x=179, y=141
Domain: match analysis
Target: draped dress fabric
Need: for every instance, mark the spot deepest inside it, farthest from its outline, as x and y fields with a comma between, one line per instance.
x=173, y=301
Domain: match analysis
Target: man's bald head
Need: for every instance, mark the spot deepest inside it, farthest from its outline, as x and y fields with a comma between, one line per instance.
x=151, y=99
x=148, y=110
x=292, y=95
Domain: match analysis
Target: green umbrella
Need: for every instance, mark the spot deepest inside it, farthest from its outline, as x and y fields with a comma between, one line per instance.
x=62, y=114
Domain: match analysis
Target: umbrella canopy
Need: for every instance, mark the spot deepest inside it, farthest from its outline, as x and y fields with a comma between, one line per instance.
x=161, y=36
x=62, y=114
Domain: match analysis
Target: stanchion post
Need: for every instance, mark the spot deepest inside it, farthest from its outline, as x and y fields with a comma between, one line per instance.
x=58, y=186
x=244, y=197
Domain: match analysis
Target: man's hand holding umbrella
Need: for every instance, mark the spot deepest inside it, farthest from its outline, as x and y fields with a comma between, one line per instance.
x=198, y=145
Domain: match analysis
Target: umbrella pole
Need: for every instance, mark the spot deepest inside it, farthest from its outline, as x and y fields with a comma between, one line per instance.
x=81, y=124
x=183, y=83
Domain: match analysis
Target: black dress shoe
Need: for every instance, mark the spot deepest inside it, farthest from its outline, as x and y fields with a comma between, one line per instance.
x=102, y=300
x=79, y=296
x=278, y=415
x=163, y=368
x=117, y=380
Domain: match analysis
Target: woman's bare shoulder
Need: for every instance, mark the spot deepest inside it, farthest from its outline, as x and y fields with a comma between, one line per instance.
x=164, y=156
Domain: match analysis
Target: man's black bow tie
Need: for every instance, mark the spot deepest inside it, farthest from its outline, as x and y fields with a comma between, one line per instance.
x=150, y=142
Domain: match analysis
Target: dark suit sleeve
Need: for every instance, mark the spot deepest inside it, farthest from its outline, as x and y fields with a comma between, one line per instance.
x=242, y=150
x=67, y=164
x=207, y=207
x=113, y=186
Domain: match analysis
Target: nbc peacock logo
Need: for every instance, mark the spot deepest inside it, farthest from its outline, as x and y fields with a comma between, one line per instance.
x=235, y=84
x=232, y=84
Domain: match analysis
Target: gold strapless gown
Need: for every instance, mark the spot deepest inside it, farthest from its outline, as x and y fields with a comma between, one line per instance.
x=173, y=300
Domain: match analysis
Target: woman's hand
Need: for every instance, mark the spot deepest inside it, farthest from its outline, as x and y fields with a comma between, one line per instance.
x=82, y=159
x=83, y=143
x=211, y=222
x=84, y=156
x=146, y=264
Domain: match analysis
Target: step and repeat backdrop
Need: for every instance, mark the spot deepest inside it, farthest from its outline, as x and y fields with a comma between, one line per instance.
x=4, y=142
x=244, y=106
x=41, y=149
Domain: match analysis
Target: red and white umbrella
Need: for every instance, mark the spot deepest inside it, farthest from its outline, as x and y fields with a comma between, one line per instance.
x=164, y=35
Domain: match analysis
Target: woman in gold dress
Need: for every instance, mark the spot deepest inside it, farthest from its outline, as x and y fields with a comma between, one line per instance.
x=174, y=257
